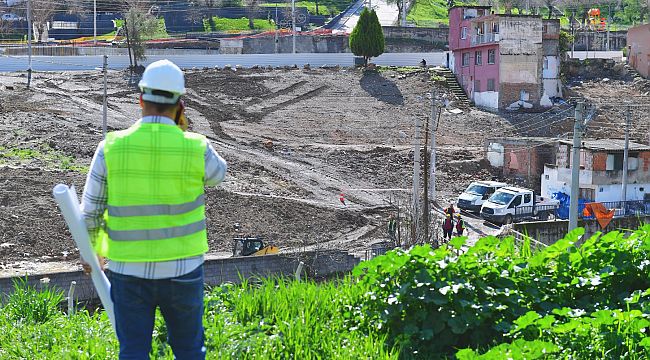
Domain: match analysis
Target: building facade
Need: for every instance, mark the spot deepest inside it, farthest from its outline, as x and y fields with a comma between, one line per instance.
x=521, y=159
x=505, y=61
x=601, y=171
x=638, y=49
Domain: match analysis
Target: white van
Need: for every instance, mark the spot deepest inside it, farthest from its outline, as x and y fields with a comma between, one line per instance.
x=476, y=193
x=510, y=204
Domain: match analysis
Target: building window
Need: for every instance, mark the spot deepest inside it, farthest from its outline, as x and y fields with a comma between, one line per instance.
x=587, y=194
x=491, y=56
x=490, y=85
x=495, y=27
x=478, y=57
x=545, y=63
x=545, y=29
x=477, y=85
x=463, y=33
x=466, y=59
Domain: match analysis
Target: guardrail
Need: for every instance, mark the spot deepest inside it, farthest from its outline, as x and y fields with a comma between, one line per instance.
x=623, y=208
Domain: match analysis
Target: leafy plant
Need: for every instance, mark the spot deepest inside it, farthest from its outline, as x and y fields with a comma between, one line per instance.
x=434, y=301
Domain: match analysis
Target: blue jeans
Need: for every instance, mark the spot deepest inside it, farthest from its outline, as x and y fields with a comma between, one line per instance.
x=181, y=303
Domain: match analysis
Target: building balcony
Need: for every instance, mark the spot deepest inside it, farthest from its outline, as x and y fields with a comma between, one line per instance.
x=484, y=39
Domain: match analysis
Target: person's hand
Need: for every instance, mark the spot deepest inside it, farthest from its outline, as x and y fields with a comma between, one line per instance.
x=86, y=267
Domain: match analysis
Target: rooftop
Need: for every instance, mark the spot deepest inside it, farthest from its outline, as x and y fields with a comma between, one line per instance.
x=608, y=145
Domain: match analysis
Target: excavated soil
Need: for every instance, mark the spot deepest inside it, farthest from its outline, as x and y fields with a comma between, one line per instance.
x=294, y=141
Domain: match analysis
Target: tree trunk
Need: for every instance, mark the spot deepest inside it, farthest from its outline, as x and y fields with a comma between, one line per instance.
x=128, y=43
x=251, y=24
x=317, y=13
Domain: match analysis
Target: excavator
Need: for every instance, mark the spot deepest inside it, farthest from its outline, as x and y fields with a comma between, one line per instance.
x=252, y=246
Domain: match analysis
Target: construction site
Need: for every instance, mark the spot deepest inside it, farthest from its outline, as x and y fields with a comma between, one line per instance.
x=318, y=159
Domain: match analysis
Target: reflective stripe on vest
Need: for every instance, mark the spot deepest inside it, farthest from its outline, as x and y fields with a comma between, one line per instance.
x=156, y=203
x=152, y=210
x=156, y=234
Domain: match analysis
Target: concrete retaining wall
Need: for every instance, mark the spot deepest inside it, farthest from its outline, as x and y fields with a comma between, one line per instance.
x=318, y=264
x=549, y=232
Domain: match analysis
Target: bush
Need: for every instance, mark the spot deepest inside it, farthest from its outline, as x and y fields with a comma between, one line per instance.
x=434, y=301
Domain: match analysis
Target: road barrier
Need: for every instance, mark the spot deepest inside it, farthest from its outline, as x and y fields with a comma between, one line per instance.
x=77, y=63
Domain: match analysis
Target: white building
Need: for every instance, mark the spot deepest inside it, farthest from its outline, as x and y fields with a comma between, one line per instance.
x=601, y=171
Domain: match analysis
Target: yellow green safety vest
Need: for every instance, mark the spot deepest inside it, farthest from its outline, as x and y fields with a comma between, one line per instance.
x=156, y=201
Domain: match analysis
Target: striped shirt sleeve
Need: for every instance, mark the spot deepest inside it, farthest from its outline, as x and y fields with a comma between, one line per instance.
x=215, y=167
x=95, y=195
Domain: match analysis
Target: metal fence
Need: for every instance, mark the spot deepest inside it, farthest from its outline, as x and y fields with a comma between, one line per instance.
x=623, y=208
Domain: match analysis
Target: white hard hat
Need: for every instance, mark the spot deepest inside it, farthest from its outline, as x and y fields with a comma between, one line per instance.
x=162, y=75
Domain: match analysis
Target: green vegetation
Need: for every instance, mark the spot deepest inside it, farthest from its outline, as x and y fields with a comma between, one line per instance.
x=428, y=13
x=498, y=300
x=310, y=5
x=44, y=156
x=236, y=25
x=367, y=37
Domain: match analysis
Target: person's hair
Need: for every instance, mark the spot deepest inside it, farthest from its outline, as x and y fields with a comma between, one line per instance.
x=158, y=107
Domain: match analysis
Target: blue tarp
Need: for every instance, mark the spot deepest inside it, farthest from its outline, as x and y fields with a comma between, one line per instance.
x=565, y=199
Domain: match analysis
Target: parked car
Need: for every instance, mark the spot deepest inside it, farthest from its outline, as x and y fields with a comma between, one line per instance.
x=11, y=17
x=511, y=204
x=477, y=193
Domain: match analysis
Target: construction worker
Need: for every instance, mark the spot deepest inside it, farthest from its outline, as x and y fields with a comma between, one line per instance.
x=460, y=225
x=450, y=210
x=144, y=205
x=342, y=199
x=447, y=227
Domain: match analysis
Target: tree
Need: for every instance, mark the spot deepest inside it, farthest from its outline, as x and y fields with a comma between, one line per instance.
x=400, y=8
x=367, y=38
x=139, y=24
x=42, y=11
x=251, y=9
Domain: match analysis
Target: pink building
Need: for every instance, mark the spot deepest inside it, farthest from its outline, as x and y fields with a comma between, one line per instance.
x=505, y=61
x=638, y=49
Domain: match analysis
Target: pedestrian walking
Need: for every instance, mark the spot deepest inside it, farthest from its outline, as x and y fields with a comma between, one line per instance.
x=460, y=225
x=447, y=227
x=144, y=205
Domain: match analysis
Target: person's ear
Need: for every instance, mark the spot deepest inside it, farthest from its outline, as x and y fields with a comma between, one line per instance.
x=141, y=102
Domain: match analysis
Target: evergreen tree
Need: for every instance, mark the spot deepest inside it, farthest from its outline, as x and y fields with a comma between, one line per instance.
x=367, y=38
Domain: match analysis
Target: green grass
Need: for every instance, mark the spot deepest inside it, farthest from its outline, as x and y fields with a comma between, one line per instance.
x=43, y=156
x=427, y=13
x=499, y=299
x=310, y=5
x=234, y=25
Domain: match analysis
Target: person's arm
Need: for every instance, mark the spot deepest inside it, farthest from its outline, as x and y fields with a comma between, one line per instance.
x=95, y=197
x=215, y=167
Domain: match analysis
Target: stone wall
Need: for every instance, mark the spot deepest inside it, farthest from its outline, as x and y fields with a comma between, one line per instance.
x=318, y=265
x=437, y=37
x=549, y=232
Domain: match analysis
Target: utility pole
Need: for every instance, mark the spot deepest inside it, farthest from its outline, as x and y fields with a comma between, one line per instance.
x=425, y=207
x=416, y=180
x=435, y=117
x=95, y=23
x=573, y=33
x=403, y=19
x=105, y=70
x=625, y=153
x=575, y=165
x=293, y=24
x=29, y=42
x=609, y=18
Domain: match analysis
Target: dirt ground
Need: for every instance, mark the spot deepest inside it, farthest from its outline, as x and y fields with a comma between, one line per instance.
x=293, y=139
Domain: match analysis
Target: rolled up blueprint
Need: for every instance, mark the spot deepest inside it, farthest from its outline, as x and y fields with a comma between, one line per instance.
x=68, y=202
